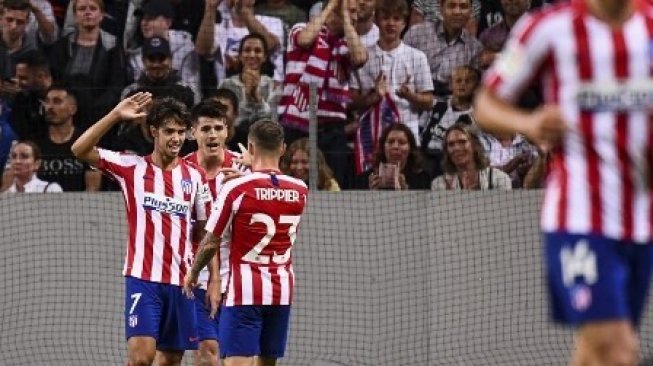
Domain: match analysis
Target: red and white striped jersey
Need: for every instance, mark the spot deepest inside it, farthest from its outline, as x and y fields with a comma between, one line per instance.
x=325, y=64
x=601, y=78
x=161, y=205
x=259, y=214
x=215, y=184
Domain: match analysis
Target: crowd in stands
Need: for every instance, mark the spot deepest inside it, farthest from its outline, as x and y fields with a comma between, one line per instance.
x=395, y=82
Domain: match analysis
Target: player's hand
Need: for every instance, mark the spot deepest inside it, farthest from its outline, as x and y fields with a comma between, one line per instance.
x=545, y=127
x=190, y=282
x=404, y=91
x=134, y=107
x=213, y=297
x=229, y=174
x=245, y=158
x=331, y=6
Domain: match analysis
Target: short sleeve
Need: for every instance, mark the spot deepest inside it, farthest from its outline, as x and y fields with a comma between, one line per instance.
x=422, y=73
x=115, y=163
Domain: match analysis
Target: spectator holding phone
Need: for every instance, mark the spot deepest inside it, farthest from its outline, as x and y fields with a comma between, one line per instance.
x=397, y=162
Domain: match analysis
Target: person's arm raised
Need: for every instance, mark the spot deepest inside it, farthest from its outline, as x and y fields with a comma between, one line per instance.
x=306, y=38
x=85, y=148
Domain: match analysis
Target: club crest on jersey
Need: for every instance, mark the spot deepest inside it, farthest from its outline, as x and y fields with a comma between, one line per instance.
x=187, y=186
x=162, y=204
x=133, y=320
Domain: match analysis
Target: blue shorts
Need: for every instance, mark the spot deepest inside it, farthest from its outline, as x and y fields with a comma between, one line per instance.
x=594, y=278
x=207, y=328
x=254, y=330
x=160, y=311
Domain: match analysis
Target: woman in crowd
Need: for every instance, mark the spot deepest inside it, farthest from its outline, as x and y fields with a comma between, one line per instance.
x=397, y=162
x=296, y=163
x=252, y=85
x=25, y=162
x=465, y=164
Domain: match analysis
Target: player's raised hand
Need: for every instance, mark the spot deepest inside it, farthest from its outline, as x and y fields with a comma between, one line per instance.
x=133, y=107
x=545, y=127
x=245, y=158
x=229, y=174
x=190, y=282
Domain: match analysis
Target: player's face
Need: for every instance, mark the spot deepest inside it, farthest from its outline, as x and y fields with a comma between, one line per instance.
x=23, y=163
x=253, y=54
x=88, y=14
x=390, y=26
x=169, y=138
x=459, y=148
x=456, y=13
x=299, y=165
x=59, y=107
x=463, y=83
x=211, y=135
x=397, y=148
x=515, y=8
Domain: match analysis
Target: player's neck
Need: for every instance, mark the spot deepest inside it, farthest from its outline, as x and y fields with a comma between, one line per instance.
x=163, y=161
x=265, y=163
x=613, y=12
x=211, y=164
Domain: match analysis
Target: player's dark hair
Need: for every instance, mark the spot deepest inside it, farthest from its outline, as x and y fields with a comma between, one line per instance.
x=22, y=5
x=266, y=134
x=211, y=108
x=414, y=159
x=35, y=60
x=480, y=160
x=166, y=109
x=392, y=7
x=222, y=93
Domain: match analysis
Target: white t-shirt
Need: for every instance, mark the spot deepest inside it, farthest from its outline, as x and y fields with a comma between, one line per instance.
x=36, y=185
x=227, y=37
x=397, y=65
x=370, y=38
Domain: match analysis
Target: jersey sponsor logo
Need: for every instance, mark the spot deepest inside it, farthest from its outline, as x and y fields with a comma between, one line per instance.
x=162, y=204
x=205, y=193
x=616, y=96
x=578, y=261
x=275, y=194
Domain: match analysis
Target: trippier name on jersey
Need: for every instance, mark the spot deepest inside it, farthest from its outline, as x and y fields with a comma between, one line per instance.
x=272, y=194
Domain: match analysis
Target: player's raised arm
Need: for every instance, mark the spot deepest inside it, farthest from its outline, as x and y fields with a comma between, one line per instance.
x=85, y=148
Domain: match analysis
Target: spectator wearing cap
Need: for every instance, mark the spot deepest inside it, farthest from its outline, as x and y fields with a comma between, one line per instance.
x=90, y=61
x=187, y=16
x=159, y=77
x=156, y=19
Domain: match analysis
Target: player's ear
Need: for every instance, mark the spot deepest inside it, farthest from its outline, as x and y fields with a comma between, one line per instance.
x=250, y=148
x=282, y=149
x=153, y=131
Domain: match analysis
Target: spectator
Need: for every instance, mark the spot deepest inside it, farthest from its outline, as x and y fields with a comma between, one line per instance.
x=397, y=162
x=535, y=177
x=323, y=52
x=33, y=79
x=14, y=41
x=447, y=44
x=226, y=37
x=90, y=61
x=296, y=164
x=365, y=27
x=394, y=69
x=25, y=162
x=229, y=99
x=465, y=164
x=445, y=113
x=113, y=22
x=58, y=163
x=430, y=11
x=42, y=24
x=495, y=37
x=253, y=88
x=156, y=21
x=7, y=139
x=513, y=154
x=289, y=14
x=158, y=75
